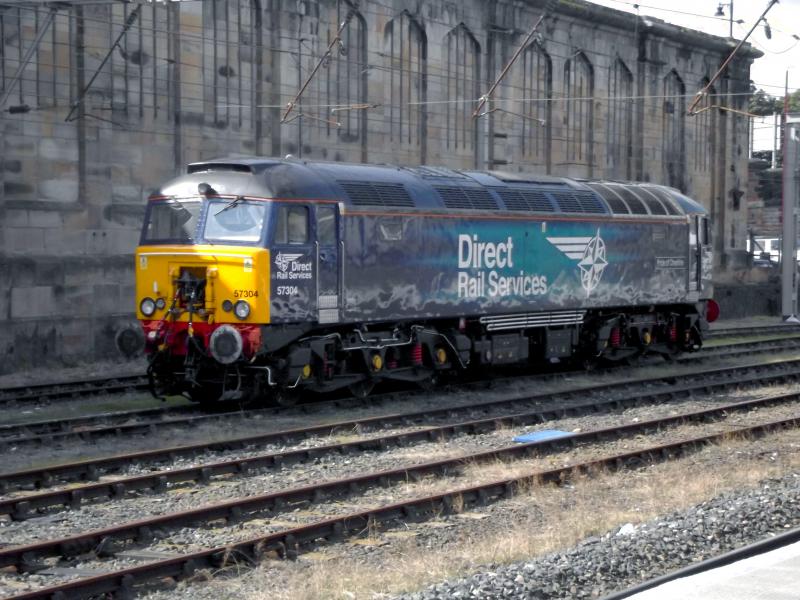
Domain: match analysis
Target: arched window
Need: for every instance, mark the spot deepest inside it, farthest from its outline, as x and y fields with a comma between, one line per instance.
x=347, y=76
x=461, y=58
x=228, y=61
x=46, y=80
x=578, y=109
x=673, y=126
x=705, y=128
x=620, y=121
x=537, y=89
x=405, y=47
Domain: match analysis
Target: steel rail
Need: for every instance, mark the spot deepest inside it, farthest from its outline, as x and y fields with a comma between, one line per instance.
x=38, y=392
x=92, y=468
x=752, y=330
x=30, y=431
x=9, y=433
x=289, y=543
x=23, y=557
x=43, y=430
x=67, y=390
x=21, y=508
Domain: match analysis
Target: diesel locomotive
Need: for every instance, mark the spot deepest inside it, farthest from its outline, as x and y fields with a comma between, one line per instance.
x=263, y=278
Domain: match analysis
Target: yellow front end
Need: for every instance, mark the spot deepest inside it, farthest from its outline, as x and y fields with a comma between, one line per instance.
x=231, y=274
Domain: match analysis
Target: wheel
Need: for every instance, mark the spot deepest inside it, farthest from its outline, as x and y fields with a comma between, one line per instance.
x=207, y=395
x=429, y=383
x=361, y=389
x=285, y=398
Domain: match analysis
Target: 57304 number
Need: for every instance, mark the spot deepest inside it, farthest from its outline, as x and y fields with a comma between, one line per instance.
x=287, y=290
x=245, y=293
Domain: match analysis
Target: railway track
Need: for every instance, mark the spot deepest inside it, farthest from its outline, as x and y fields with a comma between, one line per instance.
x=754, y=330
x=100, y=544
x=483, y=416
x=45, y=392
x=26, y=506
x=118, y=424
x=70, y=390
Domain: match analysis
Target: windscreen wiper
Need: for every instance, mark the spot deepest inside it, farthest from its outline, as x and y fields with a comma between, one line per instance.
x=230, y=204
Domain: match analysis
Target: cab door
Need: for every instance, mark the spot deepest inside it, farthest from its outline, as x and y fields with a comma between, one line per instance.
x=328, y=262
x=701, y=258
x=293, y=278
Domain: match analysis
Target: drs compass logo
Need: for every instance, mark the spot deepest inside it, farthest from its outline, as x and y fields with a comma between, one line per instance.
x=283, y=260
x=590, y=252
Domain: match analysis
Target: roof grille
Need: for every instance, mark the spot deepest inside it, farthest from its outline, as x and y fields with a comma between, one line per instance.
x=436, y=172
x=631, y=198
x=364, y=193
x=617, y=204
x=665, y=200
x=209, y=167
x=578, y=202
x=652, y=202
x=465, y=197
x=525, y=199
x=508, y=177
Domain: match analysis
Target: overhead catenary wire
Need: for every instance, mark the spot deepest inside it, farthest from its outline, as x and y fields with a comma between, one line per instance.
x=485, y=98
x=336, y=40
x=554, y=98
x=655, y=139
x=128, y=23
x=703, y=92
x=199, y=38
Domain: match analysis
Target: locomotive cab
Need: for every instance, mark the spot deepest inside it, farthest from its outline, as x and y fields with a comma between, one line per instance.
x=229, y=275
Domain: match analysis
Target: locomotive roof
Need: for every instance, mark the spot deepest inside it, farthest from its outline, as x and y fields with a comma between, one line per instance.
x=428, y=188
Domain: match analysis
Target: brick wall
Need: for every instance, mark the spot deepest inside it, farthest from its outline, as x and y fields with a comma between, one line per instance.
x=196, y=80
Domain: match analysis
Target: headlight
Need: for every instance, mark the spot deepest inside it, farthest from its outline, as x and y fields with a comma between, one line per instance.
x=241, y=309
x=148, y=307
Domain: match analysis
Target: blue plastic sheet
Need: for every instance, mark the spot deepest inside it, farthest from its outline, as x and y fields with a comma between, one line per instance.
x=540, y=436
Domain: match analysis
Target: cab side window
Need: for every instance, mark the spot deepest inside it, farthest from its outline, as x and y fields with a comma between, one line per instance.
x=291, y=226
x=326, y=225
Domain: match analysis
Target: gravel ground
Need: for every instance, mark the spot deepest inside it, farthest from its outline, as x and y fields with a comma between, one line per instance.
x=188, y=539
x=593, y=567
x=67, y=450
x=622, y=558
x=96, y=369
x=94, y=516
x=326, y=467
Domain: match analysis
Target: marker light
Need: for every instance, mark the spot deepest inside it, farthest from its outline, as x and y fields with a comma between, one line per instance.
x=148, y=307
x=161, y=304
x=227, y=306
x=712, y=311
x=241, y=309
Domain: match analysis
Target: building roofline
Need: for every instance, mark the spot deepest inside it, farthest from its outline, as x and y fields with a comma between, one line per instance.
x=610, y=16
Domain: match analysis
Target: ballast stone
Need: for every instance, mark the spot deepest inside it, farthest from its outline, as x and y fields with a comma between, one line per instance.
x=599, y=566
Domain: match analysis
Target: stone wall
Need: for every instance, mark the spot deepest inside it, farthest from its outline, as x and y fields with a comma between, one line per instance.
x=764, y=194
x=738, y=301
x=195, y=80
